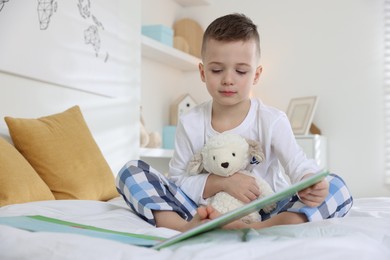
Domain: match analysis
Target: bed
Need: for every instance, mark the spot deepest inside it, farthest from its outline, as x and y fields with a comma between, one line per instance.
x=363, y=234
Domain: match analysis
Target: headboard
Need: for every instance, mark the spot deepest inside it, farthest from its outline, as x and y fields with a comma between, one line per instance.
x=114, y=122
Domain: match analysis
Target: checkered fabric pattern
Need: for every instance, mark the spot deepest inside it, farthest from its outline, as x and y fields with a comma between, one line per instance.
x=144, y=189
x=337, y=204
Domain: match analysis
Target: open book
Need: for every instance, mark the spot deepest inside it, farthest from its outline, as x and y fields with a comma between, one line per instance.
x=253, y=206
x=46, y=224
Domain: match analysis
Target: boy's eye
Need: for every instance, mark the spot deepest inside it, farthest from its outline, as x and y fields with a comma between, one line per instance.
x=241, y=72
x=216, y=70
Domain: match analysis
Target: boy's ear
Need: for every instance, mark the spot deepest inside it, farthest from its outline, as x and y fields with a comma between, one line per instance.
x=259, y=70
x=195, y=165
x=201, y=72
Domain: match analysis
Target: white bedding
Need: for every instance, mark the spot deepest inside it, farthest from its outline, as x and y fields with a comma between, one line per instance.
x=363, y=234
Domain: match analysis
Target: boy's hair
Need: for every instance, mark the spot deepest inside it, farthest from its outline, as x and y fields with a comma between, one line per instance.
x=229, y=28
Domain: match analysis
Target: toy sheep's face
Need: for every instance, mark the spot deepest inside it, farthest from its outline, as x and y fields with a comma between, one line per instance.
x=225, y=155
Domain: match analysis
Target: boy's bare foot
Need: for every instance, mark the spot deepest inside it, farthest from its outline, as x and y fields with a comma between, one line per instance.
x=200, y=217
x=237, y=224
x=172, y=220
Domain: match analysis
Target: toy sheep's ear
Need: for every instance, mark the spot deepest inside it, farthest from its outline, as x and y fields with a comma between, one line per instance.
x=195, y=166
x=255, y=151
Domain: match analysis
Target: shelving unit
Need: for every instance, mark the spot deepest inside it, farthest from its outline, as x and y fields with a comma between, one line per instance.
x=315, y=147
x=170, y=56
x=159, y=52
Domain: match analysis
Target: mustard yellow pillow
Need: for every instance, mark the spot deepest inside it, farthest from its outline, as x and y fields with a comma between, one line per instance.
x=19, y=182
x=61, y=149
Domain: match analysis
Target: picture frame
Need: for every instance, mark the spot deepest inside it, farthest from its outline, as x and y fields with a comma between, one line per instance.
x=300, y=113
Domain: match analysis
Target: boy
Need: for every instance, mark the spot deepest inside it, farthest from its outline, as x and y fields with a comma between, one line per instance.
x=230, y=68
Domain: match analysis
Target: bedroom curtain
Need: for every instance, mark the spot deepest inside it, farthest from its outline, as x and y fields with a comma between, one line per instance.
x=387, y=88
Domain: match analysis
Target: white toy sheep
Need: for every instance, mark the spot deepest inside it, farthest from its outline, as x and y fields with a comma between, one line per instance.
x=224, y=155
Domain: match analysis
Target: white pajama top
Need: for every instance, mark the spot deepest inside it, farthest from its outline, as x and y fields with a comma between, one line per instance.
x=263, y=123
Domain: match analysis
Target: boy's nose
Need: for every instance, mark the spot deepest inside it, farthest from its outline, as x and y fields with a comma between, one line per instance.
x=227, y=80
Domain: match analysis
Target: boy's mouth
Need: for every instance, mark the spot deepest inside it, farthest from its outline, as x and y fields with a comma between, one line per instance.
x=227, y=93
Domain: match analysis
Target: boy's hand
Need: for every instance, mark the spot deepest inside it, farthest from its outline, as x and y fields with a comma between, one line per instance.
x=314, y=195
x=242, y=187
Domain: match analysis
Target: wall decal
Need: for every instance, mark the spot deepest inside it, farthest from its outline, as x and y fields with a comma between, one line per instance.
x=92, y=45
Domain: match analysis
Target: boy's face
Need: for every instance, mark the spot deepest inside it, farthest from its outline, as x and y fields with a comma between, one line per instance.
x=230, y=69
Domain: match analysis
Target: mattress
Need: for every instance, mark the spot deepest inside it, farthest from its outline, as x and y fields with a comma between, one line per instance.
x=363, y=234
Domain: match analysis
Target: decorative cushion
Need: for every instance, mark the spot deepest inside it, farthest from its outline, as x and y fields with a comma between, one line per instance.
x=19, y=182
x=61, y=149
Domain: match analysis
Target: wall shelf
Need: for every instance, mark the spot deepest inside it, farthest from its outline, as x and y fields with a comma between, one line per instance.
x=156, y=153
x=189, y=3
x=170, y=56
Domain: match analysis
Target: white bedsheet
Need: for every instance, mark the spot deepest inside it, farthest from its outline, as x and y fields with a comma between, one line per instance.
x=363, y=234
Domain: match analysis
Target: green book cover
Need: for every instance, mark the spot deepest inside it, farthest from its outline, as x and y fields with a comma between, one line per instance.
x=46, y=224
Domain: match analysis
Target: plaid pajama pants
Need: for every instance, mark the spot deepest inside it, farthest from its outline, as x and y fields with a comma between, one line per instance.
x=145, y=189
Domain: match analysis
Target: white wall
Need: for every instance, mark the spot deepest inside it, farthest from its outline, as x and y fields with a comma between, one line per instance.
x=329, y=48
x=113, y=121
